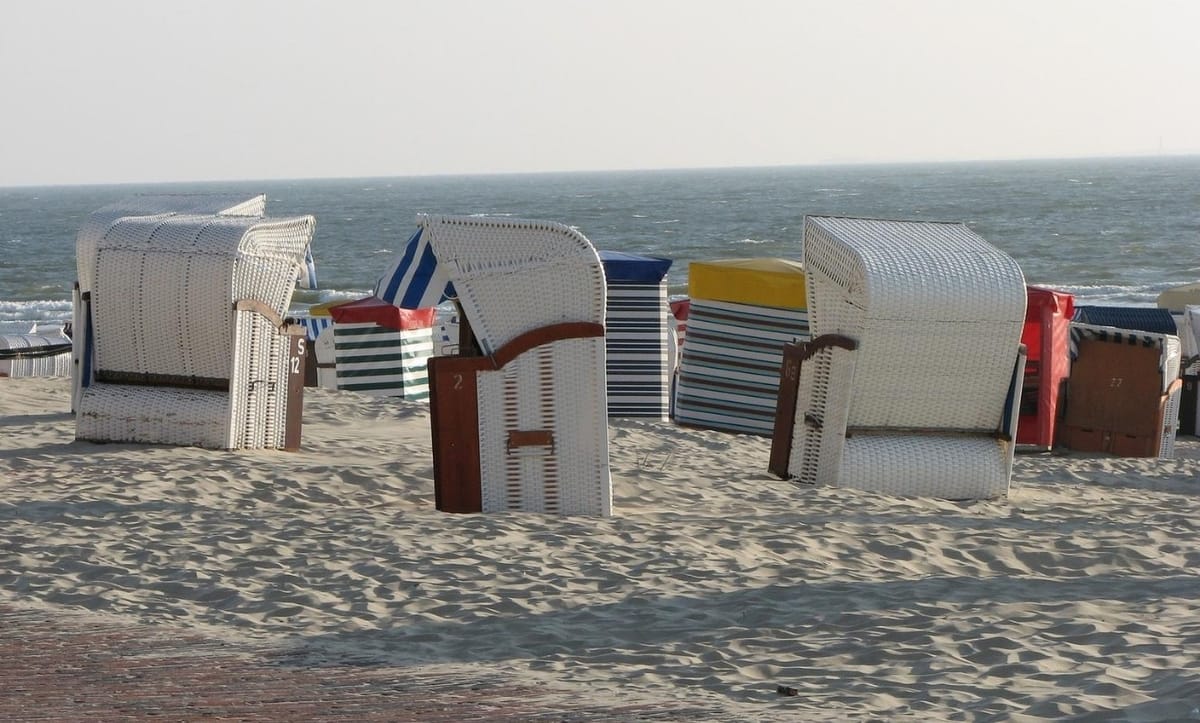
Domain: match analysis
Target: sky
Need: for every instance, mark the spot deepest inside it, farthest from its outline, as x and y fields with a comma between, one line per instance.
x=140, y=91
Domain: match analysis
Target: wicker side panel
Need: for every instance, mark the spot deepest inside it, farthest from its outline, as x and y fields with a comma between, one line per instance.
x=1174, y=398
x=556, y=394
x=81, y=324
x=819, y=425
x=275, y=427
x=258, y=385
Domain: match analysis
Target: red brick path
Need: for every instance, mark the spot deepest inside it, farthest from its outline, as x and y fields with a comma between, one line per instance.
x=70, y=667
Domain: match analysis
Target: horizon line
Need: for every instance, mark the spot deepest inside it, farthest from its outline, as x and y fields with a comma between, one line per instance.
x=831, y=163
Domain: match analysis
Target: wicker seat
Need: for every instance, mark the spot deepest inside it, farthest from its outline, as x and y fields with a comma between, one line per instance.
x=908, y=385
x=523, y=424
x=184, y=341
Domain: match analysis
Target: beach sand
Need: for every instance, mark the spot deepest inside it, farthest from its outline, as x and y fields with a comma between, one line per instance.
x=711, y=585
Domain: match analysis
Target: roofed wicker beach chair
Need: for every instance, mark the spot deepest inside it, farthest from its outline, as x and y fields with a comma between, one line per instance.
x=910, y=383
x=519, y=417
x=638, y=344
x=36, y=354
x=1124, y=392
x=180, y=330
x=741, y=314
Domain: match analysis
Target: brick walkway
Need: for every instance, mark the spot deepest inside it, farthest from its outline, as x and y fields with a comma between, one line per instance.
x=73, y=667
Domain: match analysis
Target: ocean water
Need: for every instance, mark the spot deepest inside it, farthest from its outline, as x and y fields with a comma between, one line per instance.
x=1110, y=231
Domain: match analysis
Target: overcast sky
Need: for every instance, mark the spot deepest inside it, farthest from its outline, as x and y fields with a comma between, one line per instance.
x=108, y=91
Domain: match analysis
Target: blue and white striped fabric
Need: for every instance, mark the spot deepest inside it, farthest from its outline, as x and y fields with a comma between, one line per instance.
x=729, y=373
x=314, y=325
x=636, y=335
x=636, y=340
x=415, y=280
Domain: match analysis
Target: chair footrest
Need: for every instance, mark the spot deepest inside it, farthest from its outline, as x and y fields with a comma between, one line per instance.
x=926, y=465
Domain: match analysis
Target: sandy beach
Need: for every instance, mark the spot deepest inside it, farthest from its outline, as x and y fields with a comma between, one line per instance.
x=712, y=585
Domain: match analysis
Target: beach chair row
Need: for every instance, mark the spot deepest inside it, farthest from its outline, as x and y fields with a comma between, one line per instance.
x=906, y=357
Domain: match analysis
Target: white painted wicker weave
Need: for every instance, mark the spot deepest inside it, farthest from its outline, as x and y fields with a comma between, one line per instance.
x=918, y=408
x=91, y=234
x=35, y=354
x=512, y=277
x=97, y=224
x=175, y=361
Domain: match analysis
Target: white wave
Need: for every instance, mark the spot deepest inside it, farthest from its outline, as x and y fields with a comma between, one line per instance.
x=755, y=241
x=327, y=295
x=1109, y=294
x=19, y=317
x=36, y=306
x=673, y=220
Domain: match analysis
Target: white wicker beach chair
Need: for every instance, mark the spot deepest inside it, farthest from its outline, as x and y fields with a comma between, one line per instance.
x=184, y=340
x=909, y=386
x=525, y=424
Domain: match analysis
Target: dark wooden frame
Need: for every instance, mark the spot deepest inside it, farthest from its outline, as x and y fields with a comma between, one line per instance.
x=794, y=356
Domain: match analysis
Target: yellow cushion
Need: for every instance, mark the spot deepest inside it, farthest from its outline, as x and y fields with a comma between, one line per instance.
x=779, y=283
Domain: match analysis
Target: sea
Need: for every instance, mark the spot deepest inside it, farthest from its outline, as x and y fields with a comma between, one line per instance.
x=1113, y=231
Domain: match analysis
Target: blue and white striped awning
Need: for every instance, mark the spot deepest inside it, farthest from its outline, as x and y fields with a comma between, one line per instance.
x=314, y=325
x=415, y=279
